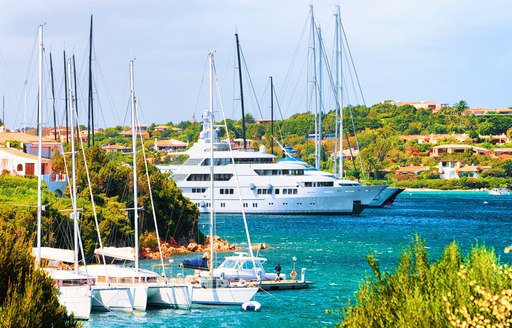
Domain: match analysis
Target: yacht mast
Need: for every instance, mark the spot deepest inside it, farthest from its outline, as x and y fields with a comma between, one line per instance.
x=134, y=151
x=74, y=214
x=90, y=121
x=39, y=145
x=241, y=89
x=53, y=100
x=66, y=96
x=339, y=90
x=314, y=93
x=210, y=61
x=271, y=115
x=320, y=100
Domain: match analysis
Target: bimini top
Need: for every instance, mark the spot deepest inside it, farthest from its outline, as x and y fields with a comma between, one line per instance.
x=120, y=253
x=55, y=254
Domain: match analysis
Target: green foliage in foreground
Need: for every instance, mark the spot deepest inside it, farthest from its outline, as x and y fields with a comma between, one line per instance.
x=453, y=291
x=28, y=297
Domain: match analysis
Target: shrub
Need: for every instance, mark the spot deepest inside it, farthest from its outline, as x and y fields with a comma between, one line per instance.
x=453, y=291
x=28, y=297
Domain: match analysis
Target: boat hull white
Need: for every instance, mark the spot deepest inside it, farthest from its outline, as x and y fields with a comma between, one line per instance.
x=107, y=298
x=140, y=297
x=77, y=300
x=174, y=297
x=222, y=296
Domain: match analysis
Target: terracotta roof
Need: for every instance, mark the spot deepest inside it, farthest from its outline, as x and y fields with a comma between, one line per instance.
x=24, y=137
x=171, y=142
x=411, y=169
x=19, y=153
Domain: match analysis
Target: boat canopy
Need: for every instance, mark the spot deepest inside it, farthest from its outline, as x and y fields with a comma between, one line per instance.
x=120, y=253
x=55, y=254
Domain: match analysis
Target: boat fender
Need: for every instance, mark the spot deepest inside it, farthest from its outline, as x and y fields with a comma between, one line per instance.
x=251, y=306
x=293, y=274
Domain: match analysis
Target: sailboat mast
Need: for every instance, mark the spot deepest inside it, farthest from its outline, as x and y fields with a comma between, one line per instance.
x=73, y=166
x=339, y=89
x=39, y=146
x=76, y=95
x=90, y=116
x=320, y=99
x=134, y=151
x=271, y=115
x=66, y=96
x=53, y=99
x=210, y=60
x=241, y=89
x=314, y=93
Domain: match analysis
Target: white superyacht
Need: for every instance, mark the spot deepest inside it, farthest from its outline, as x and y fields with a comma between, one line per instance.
x=266, y=187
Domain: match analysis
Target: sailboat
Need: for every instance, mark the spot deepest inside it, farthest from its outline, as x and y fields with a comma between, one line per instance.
x=147, y=287
x=73, y=287
x=212, y=290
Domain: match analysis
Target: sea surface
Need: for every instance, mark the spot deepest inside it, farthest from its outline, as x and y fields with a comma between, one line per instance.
x=333, y=250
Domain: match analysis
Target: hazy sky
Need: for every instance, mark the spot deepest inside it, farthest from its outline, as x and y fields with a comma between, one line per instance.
x=409, y=50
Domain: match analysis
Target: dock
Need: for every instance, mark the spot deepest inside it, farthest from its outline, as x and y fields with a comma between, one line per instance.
x=270, y=285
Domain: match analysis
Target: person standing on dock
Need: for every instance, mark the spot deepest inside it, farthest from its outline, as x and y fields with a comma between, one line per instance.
x=278, y=271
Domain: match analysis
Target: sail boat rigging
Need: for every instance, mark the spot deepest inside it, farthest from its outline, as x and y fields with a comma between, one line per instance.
x=74, y=290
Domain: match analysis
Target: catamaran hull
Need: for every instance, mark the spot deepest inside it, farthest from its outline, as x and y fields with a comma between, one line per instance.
x=222, y=296
x=140, y=297
x=77, y=300
x=174, y=297
x=106, y=298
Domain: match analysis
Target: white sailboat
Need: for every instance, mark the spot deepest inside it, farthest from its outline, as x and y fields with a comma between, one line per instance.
x=213, y=290
x=73, y=287
x=147, y=287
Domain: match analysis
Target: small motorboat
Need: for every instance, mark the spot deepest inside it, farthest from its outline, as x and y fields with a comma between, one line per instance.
x=251, y=306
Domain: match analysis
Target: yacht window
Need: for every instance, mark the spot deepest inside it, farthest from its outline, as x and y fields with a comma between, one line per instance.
x=229, y=264
x=276, y=191
x=248, y=265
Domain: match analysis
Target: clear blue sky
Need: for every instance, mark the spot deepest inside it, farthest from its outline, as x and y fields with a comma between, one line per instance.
x=408, y=50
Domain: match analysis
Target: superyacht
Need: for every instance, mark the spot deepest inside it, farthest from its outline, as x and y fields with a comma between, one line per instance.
x=265, y=186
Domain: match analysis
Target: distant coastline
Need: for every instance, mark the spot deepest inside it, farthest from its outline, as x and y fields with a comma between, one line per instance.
x=441, y=190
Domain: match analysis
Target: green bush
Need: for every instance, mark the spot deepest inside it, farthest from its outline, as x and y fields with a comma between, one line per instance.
x=28, y=297
x=453, y=291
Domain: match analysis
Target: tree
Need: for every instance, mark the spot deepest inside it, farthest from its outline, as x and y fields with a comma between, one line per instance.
x=28, y=297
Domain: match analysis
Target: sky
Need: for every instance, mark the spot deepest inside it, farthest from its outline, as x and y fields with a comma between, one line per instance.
x=407, y=50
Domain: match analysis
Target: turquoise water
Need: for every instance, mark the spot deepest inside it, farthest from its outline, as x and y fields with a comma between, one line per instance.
x=333, y=249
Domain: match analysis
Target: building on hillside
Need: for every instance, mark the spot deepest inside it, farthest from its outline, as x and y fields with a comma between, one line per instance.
x=238, y=143
x=499, y=139
x=411, y=169
x=17, y=163
x=348, y=154
x=455, y=170
x=488, y=111
x=503, y=153
x=434, y=106
x=140, y=130
x=171, y=145
x=116, y=148
x=436, y=138
x=30, y=143
x=456, y=148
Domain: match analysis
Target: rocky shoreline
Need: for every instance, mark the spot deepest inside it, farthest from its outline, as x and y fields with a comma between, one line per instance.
x=172, y=248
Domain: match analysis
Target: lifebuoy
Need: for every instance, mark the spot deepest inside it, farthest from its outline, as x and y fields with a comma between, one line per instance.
x=293, y=274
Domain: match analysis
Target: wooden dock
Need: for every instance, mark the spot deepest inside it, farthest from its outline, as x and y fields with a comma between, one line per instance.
x=270, y=285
